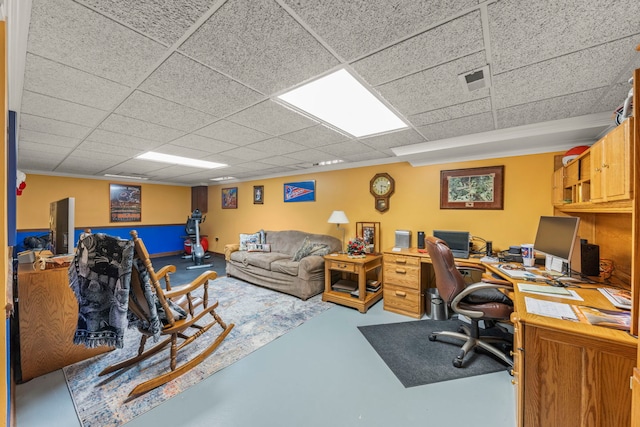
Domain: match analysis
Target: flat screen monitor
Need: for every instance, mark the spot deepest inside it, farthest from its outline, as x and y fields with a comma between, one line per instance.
x=61, y=226
x=556, y=236
x=458, y=241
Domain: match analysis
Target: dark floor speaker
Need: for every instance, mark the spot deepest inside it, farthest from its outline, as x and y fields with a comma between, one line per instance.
x=590, y=259
x=420, y=239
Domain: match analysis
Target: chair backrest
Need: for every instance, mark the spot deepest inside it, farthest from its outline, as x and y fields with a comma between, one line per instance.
x=143, y=255
x=449, y=280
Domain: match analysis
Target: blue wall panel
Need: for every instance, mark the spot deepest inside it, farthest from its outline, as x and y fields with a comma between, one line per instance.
x=157, y=238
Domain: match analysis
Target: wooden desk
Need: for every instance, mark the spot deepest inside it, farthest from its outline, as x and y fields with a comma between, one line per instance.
x=355, y=269
x=47, y=318
x=570, y=373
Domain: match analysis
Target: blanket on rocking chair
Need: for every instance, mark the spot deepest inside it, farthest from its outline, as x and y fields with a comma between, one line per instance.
x=100, y=276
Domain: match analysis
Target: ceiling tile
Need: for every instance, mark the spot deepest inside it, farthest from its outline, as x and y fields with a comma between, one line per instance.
x=272, y=118
x=524, y=33
x=444, y=43
x=367, y=155
x=150, y=108
x=245, y=153
x=225, y=130
x=276, y=146
x=53, y=108
x=393, y=139
x=47, y=138
x=354, y=28
x=64, y=82
x=345, y=148
x=280, y=161
x=165, y=21
x=453, y=112
x=203, y=144
x=576, y=72
x=575, y=104
x=51, y=126
x=136, y=167
x=118, y=150
x=194, y=85
x=66, y=32
x=312, y=156
x=315, y=136
x=139, y=128
x=456, y=127
x=56, y=152
x=119, y=139
x=612, y=99
x=434, y=88
x=260, y=45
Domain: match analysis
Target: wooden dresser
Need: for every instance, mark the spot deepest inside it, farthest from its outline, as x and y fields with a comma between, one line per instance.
x=47, y=317
x=405, y=282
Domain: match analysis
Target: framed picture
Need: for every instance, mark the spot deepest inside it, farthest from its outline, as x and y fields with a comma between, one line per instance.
x=302, y=191
x=124, y=203
x=370, y=233
x=230, y=198
x=473, y=188
x=258, y=194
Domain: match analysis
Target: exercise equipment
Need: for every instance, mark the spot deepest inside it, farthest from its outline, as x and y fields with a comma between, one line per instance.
x=196, y=247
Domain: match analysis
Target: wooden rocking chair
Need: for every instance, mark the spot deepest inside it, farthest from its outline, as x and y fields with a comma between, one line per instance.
x=171, y=302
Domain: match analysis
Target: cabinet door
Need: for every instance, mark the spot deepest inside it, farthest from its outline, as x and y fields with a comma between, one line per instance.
x=596, y=171
x=635, y=407
x=575, y=380
x=558, y=186
x=616, y=163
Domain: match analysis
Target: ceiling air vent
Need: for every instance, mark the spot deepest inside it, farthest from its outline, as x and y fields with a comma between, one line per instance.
x=476, y=79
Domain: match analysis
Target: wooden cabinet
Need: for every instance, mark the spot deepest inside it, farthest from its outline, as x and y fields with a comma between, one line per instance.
x=47, y=319
x=404, y=289
x=575, y=380
x=200, y=198
x=611, y=166
x=558, y=186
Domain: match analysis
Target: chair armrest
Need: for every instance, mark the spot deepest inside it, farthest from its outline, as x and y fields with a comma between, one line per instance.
x=165, y=270
x=469, y=266
x=230, y=248
x=201, y=280
x=455, y=304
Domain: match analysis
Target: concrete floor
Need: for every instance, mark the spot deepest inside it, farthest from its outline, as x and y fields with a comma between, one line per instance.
x=323, y=373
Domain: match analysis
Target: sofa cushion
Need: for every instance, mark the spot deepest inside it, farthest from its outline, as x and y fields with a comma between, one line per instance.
x=257, y=259
x=310, y=248
x=258, y=247
x=285, y=266
x=256, y=238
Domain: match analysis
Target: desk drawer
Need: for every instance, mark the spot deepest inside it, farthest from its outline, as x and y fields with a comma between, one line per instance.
x=402, y=260
x=342, y=266
x=403, y=301
x=402, y=275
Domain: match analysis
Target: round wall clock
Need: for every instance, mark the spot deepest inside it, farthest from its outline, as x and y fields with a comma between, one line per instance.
x=382, y=187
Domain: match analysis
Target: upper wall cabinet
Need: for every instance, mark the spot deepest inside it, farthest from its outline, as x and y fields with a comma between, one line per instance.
x=600, y=178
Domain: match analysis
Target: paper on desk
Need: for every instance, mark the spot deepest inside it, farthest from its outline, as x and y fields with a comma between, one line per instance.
x=542, y=289
x=557, y=310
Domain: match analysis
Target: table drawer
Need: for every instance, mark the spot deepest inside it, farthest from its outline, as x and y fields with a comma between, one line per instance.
x=407, y=276
x=342, y=266
x=403, y=301
x=401, y=260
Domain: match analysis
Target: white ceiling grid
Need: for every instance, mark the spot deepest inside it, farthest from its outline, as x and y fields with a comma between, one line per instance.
x=107, y=81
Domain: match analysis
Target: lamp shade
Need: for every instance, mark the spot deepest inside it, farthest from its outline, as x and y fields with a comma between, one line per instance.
x=338, y=217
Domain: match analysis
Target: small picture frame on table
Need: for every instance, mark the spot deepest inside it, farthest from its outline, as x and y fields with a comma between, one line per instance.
x=370, y=233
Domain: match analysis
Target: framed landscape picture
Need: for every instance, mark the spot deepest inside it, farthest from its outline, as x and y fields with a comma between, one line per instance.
x=230, y=198
x=473, y=188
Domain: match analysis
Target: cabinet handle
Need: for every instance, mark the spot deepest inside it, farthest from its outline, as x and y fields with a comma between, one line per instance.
x=604, y=165
x=401, y=271
x=401, y=261
x=514, y=382
x=401, y=294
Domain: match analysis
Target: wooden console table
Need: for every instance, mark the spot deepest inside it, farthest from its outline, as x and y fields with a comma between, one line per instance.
x=357, y=270
x=47, y=319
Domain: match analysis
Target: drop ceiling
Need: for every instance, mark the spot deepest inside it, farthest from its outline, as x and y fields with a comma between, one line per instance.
x=103, y=82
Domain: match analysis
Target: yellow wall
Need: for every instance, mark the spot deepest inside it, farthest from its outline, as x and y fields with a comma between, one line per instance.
x=160, y=204
x=414, y=206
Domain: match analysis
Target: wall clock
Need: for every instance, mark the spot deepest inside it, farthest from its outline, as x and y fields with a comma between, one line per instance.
x=382, y=187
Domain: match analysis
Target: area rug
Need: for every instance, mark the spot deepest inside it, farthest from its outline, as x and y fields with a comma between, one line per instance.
x=407, y=351
x=260, y=316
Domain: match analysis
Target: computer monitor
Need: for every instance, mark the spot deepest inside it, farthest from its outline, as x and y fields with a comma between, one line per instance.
x=458, y=241
x=556, y=238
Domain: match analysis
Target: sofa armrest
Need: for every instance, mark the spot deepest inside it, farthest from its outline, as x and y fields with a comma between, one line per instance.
x=229, y=249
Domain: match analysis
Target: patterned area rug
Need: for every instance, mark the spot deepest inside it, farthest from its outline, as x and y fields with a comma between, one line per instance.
x=260, y=316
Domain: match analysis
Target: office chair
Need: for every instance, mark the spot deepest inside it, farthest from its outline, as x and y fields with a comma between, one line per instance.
x=478, y=301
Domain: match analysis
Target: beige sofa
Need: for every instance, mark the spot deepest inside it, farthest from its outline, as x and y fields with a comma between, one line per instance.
x=288, y=261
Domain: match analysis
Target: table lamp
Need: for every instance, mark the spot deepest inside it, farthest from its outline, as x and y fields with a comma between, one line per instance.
x=339, y=217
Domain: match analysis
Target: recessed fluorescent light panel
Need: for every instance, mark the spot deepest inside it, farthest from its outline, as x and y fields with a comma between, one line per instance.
x=222, y=178
x=340, y=100
x=144, y=178
x=177, y=160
